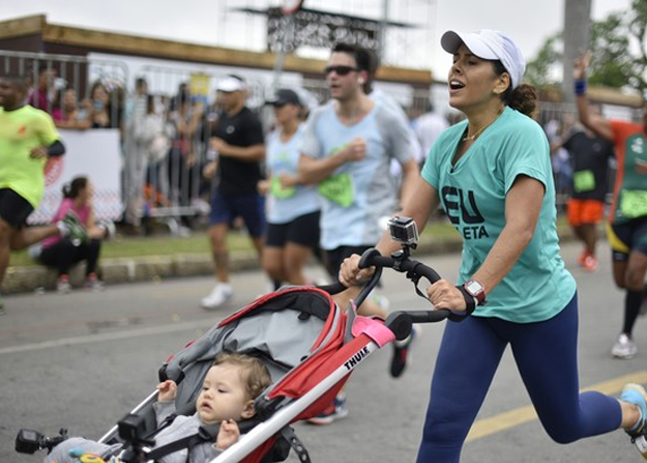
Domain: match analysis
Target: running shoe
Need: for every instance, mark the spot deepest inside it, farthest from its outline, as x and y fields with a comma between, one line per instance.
x=335, y=411
x=624, y=348
x=221, y=293
x=635, y=394
x=63, y=285
x=401, y=353
x=93, y=283
x=590, y=263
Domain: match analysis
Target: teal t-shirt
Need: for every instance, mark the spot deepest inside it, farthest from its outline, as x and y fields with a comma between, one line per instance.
x=473, y=193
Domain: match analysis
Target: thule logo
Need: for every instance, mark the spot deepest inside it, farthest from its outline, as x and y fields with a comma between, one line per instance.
x=355, y=359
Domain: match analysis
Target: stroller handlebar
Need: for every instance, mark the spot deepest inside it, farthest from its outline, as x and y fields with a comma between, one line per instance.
x=333, y=288
x=400, y=322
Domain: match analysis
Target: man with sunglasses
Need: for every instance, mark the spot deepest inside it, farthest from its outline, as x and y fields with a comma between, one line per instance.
x=347, y=148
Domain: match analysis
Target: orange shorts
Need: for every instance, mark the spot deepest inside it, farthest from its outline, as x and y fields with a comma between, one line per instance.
x=584, y=211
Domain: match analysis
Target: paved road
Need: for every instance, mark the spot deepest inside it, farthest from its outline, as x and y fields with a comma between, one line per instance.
x=83, y=360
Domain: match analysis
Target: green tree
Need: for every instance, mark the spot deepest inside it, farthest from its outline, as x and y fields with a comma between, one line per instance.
x=619, y=57
x=540, y=72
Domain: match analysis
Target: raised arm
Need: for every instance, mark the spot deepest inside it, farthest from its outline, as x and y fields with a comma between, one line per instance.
x=596, y=123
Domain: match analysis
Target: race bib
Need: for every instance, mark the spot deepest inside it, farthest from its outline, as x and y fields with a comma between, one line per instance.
x=278, y=191
x=633, y=203
x=583, y=181
x=338, y=189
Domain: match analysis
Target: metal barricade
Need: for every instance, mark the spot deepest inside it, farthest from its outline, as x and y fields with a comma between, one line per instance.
x=169, y=184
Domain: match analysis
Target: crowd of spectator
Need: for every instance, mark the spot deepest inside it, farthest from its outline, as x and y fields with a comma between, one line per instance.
x=167, y=143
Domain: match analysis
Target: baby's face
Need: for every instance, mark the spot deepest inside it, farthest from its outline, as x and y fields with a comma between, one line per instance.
x=223, y=395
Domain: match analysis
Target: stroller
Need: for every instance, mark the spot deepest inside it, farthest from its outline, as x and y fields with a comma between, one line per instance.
x=309, y=346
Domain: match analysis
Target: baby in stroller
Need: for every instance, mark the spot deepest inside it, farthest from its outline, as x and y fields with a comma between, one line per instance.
x=232, y=383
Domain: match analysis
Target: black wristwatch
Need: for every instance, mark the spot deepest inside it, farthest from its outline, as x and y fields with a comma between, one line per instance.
x=475, y=289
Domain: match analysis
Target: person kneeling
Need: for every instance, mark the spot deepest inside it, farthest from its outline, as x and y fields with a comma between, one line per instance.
x=84, y=241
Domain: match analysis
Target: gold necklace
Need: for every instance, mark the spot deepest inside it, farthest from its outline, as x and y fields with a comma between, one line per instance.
x=479, y=131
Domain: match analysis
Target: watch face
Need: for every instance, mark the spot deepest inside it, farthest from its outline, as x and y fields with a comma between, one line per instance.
x=474, y=287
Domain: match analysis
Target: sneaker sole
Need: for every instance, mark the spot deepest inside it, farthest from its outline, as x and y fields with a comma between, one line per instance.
x=638, y=389
x=321, y=421
x=620, y=356
x=206, y=306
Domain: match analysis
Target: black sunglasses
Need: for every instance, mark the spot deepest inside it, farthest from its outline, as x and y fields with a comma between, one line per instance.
x=340, y=70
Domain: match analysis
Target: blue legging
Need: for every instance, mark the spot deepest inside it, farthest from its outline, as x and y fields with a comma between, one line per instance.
x=546, y=356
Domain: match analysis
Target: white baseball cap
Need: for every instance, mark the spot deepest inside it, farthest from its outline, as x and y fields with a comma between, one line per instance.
x=230, y=84
x=491, y=45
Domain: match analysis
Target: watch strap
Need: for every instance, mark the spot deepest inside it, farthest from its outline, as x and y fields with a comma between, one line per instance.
x=470, y=301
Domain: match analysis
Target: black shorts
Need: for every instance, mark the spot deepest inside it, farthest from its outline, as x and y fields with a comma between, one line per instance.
x=627, y=237
x=14, y=209
x=303, y=230
x=335, y=257
x=251, y=207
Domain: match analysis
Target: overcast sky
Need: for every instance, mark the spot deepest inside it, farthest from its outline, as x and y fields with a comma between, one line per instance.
x=528, y=22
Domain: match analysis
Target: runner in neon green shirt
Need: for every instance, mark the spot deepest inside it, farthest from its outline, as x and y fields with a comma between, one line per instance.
x=28, y=138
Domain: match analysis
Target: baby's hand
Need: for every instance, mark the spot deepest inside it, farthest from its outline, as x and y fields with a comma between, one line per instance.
x=228, y=434
x=167, y=391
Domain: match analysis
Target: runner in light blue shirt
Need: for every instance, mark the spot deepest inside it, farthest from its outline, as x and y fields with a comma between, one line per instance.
x=287, y=203
x=346, y=151
x=357, y=194
x=293, y=214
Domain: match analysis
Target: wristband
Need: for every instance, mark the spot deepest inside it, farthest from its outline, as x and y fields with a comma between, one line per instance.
x=580, y=87
x=470, y=301
x=55, y=149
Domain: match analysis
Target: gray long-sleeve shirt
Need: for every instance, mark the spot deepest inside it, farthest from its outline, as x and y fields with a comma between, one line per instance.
x=181, y=427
